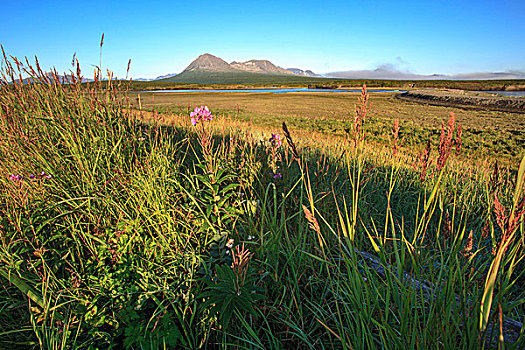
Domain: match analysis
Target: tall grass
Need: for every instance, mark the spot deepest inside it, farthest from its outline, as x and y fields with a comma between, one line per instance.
x=121, y=229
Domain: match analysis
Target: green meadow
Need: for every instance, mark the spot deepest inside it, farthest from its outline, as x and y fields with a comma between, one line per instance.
x=363, y=222
x=199, y=79
x=500, y=135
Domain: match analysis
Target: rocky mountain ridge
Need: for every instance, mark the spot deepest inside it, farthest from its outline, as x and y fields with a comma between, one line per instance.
x=305, y=73
x=210, y=63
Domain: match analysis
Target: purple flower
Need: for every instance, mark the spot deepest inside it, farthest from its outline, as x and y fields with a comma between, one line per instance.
x=200, y=113
x=278, y=176
x=16, y=177
x=42, y=175
x=276, y=140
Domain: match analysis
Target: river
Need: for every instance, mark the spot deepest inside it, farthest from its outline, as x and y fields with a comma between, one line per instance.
x=273, y=91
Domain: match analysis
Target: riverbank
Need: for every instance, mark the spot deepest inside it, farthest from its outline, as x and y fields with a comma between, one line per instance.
x=466, y=100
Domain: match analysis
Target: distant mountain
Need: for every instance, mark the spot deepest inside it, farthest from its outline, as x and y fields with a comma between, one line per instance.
x=208, y=69
x=513, y=74
x=165, y=76
x=306, y=73
x=157, y=78
x=63, y=79
x=382, y=72
x=390, y=73
x=209, y=63
x=259, y=66
x=239, y=77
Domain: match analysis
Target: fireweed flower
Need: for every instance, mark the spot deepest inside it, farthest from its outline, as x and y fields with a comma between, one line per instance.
x=42, y=175
x=16, y=177
x=276, y=140
x=200, y=113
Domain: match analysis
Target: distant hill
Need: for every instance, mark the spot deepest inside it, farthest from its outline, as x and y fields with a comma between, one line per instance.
x=165, y=76
x=390, y=73
x=259, y=66
x=306, y=73
x=63, y=79
x=239, y=77
x=210, y=63
x=209, y=69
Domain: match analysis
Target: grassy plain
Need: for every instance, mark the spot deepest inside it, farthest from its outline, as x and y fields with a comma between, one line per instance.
x=130, y=229
x=485, y=133
x=218, y=80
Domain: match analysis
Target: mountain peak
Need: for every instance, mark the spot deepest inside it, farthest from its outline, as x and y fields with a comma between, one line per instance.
x=209, y=63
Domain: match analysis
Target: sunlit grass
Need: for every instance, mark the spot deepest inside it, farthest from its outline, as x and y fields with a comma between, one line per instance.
x=123, y=228
x=499, y=135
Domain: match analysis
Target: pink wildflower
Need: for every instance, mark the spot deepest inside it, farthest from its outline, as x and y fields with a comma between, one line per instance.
x=276, y=140
x=200, y=113
x=16, y=177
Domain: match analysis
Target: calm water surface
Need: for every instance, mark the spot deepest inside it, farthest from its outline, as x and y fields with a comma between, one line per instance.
x=508, y=93
x=273, y=91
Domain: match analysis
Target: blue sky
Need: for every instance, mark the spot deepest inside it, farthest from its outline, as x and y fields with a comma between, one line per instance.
x=160, y=37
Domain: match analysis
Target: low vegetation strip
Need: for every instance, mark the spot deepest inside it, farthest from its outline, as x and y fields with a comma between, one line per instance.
x=124, y=229
x=239, y=80
x=464, y=99
x=467, y=85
